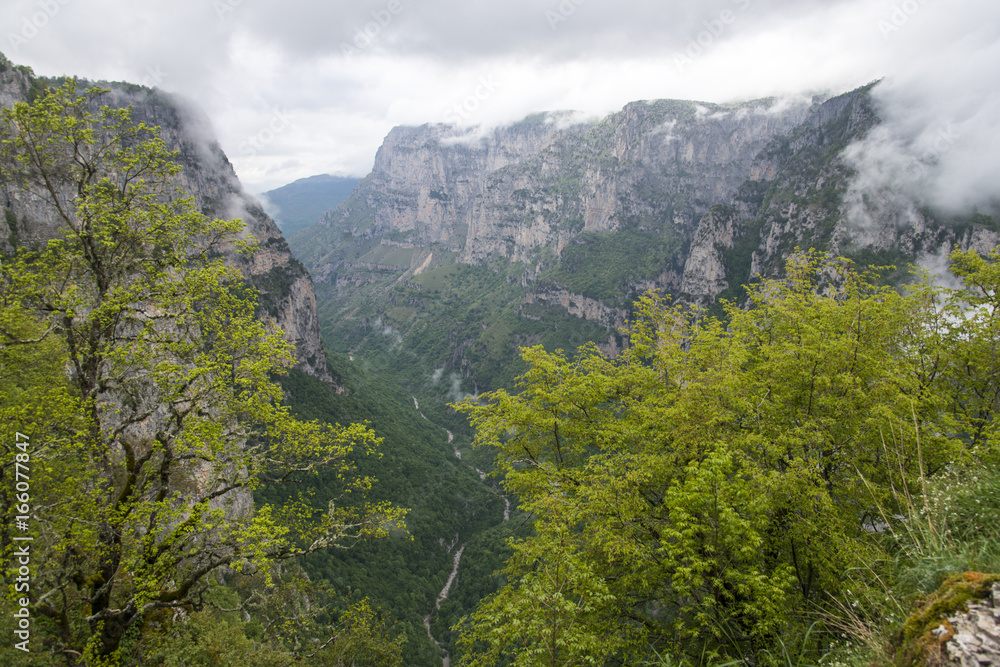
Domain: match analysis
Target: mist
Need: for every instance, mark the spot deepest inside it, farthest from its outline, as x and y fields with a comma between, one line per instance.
x=939, y=143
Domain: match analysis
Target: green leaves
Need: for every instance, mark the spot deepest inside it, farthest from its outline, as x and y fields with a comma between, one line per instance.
x=710, y=486
x=161, y=415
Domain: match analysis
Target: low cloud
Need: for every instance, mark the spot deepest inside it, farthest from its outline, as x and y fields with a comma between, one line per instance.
x=456, y=395
x=349, y=72
x=939, y=143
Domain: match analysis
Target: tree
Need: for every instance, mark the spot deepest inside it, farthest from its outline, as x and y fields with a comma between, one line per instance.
x=167, y=416
x=706, y=491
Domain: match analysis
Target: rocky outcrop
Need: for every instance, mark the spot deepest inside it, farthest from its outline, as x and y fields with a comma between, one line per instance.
x=523, y=193
x=705, y=268
x=581, y=306
x=424, y=183
x=15, y=82
x=286, y=288
x=537, y=184
x=958, y=624
x=975, y=640
x=690, y=199
x=814, y=201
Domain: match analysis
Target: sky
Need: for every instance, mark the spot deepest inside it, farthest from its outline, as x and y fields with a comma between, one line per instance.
x=303, y=87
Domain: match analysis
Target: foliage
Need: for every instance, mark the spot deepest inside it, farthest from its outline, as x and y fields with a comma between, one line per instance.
x=705, y=492
x=282, y=629
x=419, y=469
x=602, y=266
x=145, y=390
x=450, y=317
x=917, y=643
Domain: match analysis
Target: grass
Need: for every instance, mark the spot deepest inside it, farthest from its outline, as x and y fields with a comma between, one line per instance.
x=945, y=550
x=942, y=546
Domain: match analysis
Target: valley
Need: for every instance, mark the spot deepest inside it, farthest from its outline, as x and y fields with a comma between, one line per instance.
x=621, y=375
x=454, y=253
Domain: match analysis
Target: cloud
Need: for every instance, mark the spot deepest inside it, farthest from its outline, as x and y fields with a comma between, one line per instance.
x=939, y=144
x=349, y=71
x=272, y=209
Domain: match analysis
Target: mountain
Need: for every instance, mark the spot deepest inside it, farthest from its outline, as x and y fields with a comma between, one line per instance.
x=301, y=203
x=458, y=248
x=453, y=511
x=286, y=289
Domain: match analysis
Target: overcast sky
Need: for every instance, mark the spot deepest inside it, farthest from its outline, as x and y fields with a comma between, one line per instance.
x=303, y=87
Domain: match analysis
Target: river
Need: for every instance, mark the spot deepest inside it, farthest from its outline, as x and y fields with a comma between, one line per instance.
x=443, y=595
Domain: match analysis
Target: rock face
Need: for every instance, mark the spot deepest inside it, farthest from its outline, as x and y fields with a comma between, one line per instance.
x=695, y=200
x=526, y=192
x=287, y=292
x=705, y=270
x=532, y=187
x=581, y=306
x=976, y=638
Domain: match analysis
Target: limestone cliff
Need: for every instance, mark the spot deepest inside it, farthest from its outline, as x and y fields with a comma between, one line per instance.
x=535, y=185
x=577, y=219
x=534, y=191
x=286, y=288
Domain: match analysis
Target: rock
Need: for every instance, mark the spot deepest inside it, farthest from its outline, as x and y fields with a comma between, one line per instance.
x=976, y=642
x=581, y=306
x=287, y=292
x=954, y=625
x=689, y=199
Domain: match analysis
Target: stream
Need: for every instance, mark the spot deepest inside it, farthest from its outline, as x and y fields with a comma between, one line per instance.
x=443, y=595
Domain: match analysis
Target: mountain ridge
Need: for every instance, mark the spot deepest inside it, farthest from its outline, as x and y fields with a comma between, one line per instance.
x=689, y=198
x=302, y=202
x=286, y=288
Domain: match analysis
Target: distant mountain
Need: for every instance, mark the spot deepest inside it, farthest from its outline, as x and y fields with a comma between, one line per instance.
x=297, y=205
x=458, y=249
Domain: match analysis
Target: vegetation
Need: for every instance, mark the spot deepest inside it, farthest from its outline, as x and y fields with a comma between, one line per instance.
x=450, y=316
x=419, y=470
x=140, y=414
x=603, y=266
x=807, y=477
x=303, y=203
x=744, y=491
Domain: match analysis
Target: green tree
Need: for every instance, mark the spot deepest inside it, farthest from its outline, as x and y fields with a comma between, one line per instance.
x=152, y=416
x=708, y=489
x=963, y=352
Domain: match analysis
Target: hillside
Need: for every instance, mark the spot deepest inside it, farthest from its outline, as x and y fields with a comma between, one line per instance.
x=418, y=468
x=456, y=250
x=286, y=288
x=301, y=203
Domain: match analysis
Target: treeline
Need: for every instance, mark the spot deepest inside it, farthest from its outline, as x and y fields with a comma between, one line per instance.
x=138, y=417
x=780, y=486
